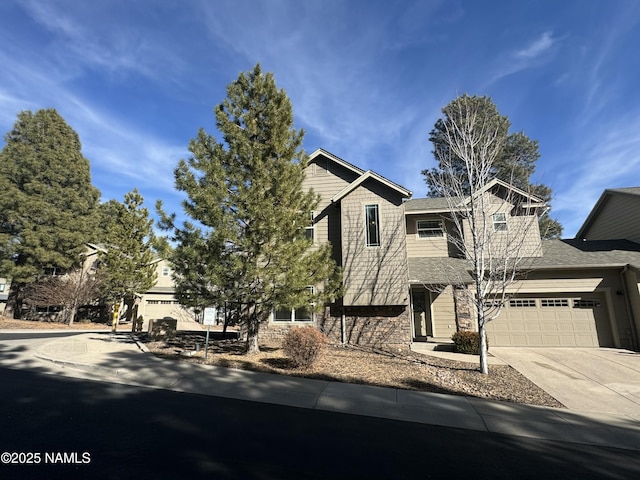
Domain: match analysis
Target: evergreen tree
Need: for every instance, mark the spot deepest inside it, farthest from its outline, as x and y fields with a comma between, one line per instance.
x=47, y=201
x=247, y=244
x=515, y=163
x=127, y=269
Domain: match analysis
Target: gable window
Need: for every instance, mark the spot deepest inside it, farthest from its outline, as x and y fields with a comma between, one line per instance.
x=429, y=228
x=166, y=271
x=310, y=230
x=372, y=226
x=300, y=314
x=500, y=222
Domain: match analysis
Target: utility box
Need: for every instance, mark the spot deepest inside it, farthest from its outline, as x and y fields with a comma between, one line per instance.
x=163, y=327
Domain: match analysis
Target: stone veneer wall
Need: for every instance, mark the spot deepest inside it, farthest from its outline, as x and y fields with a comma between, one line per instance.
x=382, y=327
x=465, y=317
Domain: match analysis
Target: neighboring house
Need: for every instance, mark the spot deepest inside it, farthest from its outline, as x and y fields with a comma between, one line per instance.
x=159, y=301
x=615, y=216
x=5, y=285
x=404, y=279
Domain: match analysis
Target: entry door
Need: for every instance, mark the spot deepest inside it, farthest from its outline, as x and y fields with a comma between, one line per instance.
x=420, y=301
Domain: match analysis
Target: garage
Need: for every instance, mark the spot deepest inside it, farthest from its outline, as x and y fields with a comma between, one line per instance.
x=552, y=321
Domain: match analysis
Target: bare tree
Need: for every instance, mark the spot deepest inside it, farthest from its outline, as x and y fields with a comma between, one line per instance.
x=491, y=220
x=69, y=291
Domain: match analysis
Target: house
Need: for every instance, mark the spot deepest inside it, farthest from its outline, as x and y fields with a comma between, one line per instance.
x=361, y=213
x=159, y=301
x=5, y=285
x=405, y=280
x=615, y=216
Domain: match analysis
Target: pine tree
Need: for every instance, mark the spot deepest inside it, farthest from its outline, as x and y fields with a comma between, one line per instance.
x=47, y=201
x=515, y=163
x=247, y=243
x=127, y=267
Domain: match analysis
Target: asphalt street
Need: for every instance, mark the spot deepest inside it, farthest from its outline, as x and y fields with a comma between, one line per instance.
x=95, y=429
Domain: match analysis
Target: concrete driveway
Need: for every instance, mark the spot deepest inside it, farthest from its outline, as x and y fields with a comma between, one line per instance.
x=595, y=380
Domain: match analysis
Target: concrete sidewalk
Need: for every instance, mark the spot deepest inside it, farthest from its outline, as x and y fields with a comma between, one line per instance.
x=119, y=358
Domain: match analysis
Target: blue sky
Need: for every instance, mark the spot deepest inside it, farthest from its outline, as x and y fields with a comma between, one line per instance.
x=367, y=80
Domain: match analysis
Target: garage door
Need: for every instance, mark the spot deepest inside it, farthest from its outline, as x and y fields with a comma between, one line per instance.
x=569, y=321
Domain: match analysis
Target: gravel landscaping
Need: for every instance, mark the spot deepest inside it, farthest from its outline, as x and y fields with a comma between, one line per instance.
x=357, y=365
x=342, y=364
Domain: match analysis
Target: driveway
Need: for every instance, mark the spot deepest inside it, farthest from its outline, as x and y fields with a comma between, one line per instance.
x=595, y=380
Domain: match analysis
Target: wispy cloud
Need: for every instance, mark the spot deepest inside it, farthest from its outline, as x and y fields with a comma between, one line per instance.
x=537, y=47
x=534, y=54
x=607, y=159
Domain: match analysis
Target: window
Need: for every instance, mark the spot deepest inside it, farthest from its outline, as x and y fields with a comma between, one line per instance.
x=372, y=225
x=500, y=222
x=554, y=302
x=584, y=303
x=302, y=314
x=429, y=228
x=166, y=271
x=54, y=271
x=522, y=303
x=2, y=287
x=310, y=230
x=49, y=309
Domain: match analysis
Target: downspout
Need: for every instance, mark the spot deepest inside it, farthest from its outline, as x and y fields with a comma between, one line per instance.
x=627, y=304
x=343, y=327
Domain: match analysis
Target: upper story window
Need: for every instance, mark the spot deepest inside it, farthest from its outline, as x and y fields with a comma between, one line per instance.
x=372, y=226
x=429, y=228
x=500, y=222
x=310, y=230
x=2, y=287
x=166, y=271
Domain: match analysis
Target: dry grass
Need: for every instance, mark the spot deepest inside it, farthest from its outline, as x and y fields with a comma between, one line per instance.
x=362, y=366
x=9, y=324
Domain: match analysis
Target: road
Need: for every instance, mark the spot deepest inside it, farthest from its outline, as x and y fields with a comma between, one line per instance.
x=122, y=431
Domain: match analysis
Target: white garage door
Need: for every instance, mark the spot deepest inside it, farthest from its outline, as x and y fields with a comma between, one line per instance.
x=551, y=321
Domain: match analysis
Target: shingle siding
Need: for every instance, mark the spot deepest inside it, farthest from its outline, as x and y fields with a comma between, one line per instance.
x=618, y=218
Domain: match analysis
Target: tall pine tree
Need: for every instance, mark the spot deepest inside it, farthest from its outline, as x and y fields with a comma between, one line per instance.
x=515, y=163
x=247, y=243
x=126, y=268
x=47, y=201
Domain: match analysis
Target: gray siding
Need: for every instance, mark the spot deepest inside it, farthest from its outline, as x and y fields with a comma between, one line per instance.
x=374, y=275
x=522, y=237
x=618, y=218
x=426, y=247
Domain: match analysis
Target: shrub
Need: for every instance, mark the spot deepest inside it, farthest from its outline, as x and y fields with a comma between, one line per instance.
x=467, y=342
x=303, y=345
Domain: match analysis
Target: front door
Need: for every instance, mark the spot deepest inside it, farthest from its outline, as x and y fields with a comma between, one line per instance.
x=421, y=308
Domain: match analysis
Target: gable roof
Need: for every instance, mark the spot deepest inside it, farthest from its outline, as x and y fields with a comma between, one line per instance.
x=444, y=204
x=362, y=177
x=575, y=253
x=557, y=255
x=336, y=159
x=595, y=211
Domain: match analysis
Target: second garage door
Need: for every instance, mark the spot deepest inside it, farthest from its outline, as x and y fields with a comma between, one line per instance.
x=551, y=321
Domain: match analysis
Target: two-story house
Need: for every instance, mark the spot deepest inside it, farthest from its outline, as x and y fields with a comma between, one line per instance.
x=405, y=278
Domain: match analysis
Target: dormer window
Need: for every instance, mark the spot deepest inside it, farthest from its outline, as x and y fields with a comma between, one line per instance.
x=500, y=222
